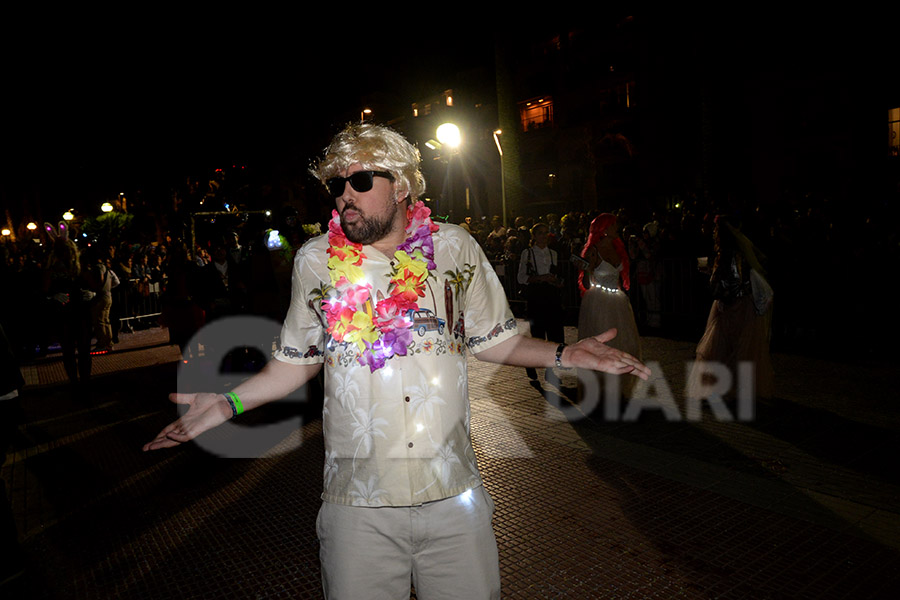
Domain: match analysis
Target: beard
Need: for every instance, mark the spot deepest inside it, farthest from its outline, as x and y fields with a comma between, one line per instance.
x=366, y=229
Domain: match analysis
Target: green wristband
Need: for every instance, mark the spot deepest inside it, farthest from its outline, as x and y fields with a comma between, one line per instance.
x=235, y=403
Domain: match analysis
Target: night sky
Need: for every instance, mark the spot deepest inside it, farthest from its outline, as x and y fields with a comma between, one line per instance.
x=88, y=116
x=91, y=111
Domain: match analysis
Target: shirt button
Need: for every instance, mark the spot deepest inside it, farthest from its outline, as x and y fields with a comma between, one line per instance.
x=407, y=398
x=410, y=445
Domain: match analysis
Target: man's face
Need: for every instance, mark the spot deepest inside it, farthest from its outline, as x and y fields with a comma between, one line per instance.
x=367, y=217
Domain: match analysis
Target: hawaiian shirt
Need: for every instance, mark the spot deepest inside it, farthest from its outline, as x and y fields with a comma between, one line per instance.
x=399, y=435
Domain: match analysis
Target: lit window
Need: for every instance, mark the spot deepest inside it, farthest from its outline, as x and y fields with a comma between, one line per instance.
x=894, y=127
x=415, y=109
x=448, y=97
x=536, y=113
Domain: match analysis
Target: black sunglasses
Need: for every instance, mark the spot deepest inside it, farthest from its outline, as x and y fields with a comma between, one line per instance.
x=361, y=181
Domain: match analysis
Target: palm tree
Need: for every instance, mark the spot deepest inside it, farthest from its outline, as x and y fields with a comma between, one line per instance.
x=316, y=296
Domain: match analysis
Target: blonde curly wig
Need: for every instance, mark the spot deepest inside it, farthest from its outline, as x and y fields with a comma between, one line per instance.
x=374, y=147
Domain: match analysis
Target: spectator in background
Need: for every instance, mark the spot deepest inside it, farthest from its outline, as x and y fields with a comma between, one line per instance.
x=233, y=246
x=497, y=228
x=220, y=288
x=568, y=240
x=123, y=295
x=117, y=305
x=100, y=279
x=738, y=327
x=202, y=257
x=180, y=312
x=512, y=249
x=539, y=273
x=69, y=311
x=643, y=249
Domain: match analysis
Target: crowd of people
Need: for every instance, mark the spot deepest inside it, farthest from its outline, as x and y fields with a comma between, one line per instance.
x=671, y=250
x=165, y=282
x=78, y=297
x=648, y=244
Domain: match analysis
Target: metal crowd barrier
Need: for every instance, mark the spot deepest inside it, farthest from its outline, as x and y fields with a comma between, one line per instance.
x=138, y=303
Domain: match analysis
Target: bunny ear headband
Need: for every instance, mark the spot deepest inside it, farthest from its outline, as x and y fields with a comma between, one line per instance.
x=63, y=233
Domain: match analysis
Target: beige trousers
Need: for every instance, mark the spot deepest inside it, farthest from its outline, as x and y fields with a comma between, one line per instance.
x=447, y=547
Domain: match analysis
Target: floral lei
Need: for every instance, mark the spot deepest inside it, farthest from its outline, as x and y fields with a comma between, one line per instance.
x=380, y=328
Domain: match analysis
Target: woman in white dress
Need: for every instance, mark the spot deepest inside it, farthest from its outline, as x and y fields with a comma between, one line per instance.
x=604, y=303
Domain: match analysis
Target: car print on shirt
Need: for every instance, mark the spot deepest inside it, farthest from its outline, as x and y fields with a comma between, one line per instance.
x=425, y=320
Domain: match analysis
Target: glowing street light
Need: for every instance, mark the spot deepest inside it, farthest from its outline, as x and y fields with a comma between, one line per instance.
x=5, y=231
x=362, y=115
x=31, y=226
x=68, y=216
x=448, y=134
x=106, y=207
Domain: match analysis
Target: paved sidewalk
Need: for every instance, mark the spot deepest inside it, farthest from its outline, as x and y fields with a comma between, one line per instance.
x=801, y=502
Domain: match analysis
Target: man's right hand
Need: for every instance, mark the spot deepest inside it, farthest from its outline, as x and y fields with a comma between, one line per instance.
x=205, y=411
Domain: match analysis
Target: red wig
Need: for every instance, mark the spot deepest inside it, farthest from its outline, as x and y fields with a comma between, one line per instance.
x=598, y=231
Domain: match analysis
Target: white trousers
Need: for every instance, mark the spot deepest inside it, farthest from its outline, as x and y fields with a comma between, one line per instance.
x=447, y=547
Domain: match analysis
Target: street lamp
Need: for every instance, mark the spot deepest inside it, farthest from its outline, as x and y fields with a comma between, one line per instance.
x=448, y=134
x=362, y=115
x=497, y=133
x=68, y=215
x=106, y=207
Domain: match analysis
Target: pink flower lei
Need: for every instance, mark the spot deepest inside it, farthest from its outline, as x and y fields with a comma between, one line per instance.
x=382, y=328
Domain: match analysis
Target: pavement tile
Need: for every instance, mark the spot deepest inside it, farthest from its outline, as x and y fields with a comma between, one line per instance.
x=584, y=509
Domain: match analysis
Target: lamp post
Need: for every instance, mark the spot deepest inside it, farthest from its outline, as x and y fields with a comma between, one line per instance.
x=497, y=133
x=363, y=113
x=449, y=135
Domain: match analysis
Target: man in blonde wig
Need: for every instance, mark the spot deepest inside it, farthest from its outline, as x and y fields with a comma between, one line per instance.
x=403, y=496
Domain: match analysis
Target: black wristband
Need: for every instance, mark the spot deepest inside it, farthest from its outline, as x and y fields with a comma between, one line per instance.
x=559, y=351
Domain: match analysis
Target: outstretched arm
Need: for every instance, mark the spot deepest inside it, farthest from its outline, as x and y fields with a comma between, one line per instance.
x=589, y=353
x=275, y=381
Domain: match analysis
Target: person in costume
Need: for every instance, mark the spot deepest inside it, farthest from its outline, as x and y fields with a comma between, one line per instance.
x=604, y=303
x=403, y=496
x=739, y=323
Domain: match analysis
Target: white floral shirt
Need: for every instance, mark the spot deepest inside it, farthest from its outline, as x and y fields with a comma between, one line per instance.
x=399, y=436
